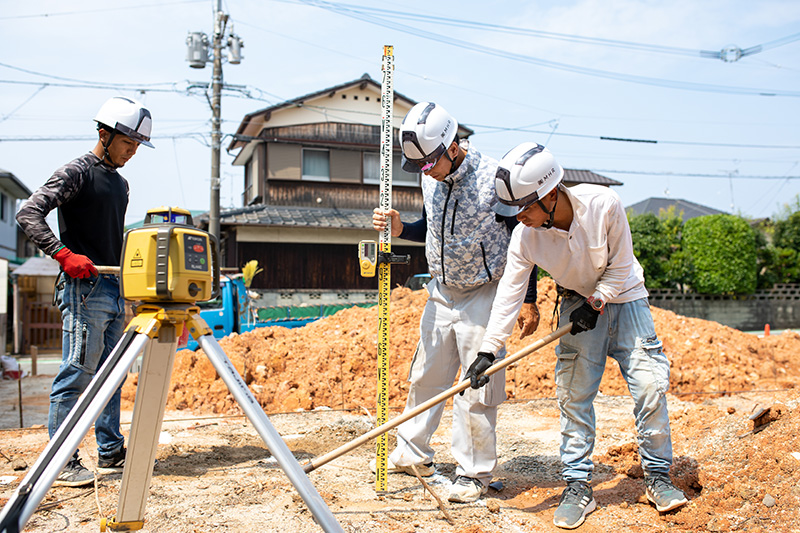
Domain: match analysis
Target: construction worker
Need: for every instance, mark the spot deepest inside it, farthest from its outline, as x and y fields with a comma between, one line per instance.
x=465, y=245
x=91, y=198
x=581, y=237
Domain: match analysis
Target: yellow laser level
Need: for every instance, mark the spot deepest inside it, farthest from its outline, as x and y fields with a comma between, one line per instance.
x=168, y=259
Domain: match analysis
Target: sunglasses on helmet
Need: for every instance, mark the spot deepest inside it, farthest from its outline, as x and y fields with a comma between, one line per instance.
x=424, y=163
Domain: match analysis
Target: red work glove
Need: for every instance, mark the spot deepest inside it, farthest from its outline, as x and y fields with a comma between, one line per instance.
x=75, y=265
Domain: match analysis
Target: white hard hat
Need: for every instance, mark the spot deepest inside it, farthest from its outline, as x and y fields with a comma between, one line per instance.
x=128, y=117
x=524, y=175
x=426, y=133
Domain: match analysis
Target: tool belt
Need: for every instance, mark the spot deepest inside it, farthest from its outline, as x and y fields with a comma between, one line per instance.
x=563, y=292
x=58, y=285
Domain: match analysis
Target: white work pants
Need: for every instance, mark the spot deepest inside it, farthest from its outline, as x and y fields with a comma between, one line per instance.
x=451, y=330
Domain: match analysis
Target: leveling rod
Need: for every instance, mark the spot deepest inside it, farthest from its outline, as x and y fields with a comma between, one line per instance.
x=384, y=268
x=382, y=429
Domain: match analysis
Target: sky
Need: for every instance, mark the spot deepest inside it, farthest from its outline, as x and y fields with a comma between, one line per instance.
x=628, y=89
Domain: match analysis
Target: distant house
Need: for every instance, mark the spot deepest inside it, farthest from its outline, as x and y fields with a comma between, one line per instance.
x=13, y=241
x=36, y=321
x=311, y=180
x=684, y=208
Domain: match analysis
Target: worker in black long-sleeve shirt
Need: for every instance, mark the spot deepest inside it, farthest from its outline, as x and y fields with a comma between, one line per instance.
x=91, y=198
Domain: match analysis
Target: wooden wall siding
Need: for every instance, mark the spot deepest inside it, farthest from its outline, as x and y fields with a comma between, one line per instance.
x=328, y=266
x=340, y=195
x=330, y=134
x=345, y=166
x=284, y=161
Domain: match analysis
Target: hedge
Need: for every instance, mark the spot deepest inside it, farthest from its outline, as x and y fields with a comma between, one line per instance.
x=722, y=249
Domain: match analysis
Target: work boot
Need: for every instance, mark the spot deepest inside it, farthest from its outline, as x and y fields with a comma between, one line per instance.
x=466, y=490
x=74, y=474
x=576, y=502
x=113, y=464
x=663, y=493
x=424, y=470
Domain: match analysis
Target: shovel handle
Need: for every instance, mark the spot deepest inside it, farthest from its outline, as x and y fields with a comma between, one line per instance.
x=111, y=270
x=442, y=396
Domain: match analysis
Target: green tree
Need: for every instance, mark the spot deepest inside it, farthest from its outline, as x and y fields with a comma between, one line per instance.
x=787, y=232
x=766, y=257
x=723, y=253
x=651, y=248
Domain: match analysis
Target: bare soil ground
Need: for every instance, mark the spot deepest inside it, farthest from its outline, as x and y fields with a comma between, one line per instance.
x=215, y=474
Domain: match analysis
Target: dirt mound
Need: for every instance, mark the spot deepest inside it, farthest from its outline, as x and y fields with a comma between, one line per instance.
x=750, y=479
x=332, y=362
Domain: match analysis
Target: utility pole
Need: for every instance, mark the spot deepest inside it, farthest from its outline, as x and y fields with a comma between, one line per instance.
x=197, y=56
x=216, y=133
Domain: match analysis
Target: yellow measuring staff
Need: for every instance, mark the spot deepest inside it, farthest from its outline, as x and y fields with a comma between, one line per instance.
x=384, y=275
x=378, y=256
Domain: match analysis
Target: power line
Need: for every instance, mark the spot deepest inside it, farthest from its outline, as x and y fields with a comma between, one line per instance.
x=646, y=47
x=645, y=141
x=695, y=175
x=451, y=41
x=20, y=106
x=136, y=7
x=70, y=138
x=84, y=82
x=88, y=85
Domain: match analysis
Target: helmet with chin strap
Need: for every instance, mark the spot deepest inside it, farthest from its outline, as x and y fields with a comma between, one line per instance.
x=525, y=175
x=126, y=116
x=426, y=133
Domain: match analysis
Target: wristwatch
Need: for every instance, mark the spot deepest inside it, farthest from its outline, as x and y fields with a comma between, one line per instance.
x=596, y=303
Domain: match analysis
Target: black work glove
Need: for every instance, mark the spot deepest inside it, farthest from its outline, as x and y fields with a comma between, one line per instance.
x=478, y=367
x=583, y=318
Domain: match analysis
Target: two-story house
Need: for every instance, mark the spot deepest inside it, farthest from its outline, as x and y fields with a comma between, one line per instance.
x=311, y=168
x=13, y=242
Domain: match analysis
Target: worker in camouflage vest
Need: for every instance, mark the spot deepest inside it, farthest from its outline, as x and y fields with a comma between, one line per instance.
x=465, y=246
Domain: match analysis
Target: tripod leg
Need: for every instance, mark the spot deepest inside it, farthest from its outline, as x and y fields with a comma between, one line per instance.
x=148, y=414
x=268, y=433
x=66, y=440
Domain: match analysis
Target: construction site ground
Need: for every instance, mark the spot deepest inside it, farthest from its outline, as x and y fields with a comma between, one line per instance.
x=214, y=473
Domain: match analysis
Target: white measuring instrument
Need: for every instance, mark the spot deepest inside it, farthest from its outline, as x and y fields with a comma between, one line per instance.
x=378, y=256
x=384, y=272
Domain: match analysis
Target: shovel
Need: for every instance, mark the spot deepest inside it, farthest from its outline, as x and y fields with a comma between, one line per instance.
x=442, y=396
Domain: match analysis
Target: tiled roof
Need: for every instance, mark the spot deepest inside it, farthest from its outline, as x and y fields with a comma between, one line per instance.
x=13, y=184
x=364, y=79
x=298, y=217
x=38, y=266
x=358, y=219
x=689, y=209
x=572, y=177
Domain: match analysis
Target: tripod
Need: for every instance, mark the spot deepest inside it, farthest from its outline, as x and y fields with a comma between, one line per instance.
x=155, y=331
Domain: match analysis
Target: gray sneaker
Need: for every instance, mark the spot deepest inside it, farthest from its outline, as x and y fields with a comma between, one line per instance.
x=112, y=464
x=466, y=490
x=663, y=493
x=576, y=502
x=74, y=475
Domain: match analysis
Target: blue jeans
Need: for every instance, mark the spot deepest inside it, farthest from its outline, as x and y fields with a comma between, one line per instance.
x=93, y=321
x=626, y=333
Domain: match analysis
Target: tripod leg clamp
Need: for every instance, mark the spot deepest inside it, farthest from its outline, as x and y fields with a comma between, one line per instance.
x=113, y=525
x=393, y=259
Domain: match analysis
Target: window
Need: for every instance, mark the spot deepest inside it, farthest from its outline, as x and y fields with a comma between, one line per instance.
x=3, y=209
x=372, y=169
x=316, y=165
x=248, y=182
